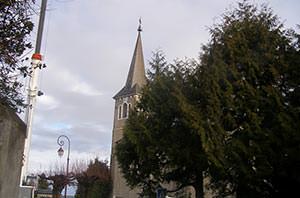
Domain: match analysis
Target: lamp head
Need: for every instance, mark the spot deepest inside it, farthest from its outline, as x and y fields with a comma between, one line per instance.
x=60, y=152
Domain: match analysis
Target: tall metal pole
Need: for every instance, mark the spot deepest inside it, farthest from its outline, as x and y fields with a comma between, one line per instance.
x=41, y=27
x=61, y=143
x=33, y=89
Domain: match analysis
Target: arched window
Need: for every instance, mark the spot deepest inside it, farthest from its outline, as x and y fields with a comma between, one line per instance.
x=125, y=110
x=120, y=112
x=129, y=108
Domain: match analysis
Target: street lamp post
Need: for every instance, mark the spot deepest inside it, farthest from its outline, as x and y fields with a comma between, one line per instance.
x=60, y=152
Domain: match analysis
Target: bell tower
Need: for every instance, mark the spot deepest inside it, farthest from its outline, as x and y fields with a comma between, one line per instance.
x=125, y=99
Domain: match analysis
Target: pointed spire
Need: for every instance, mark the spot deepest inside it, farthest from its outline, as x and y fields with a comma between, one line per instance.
x=136, y=74
x=136, y=78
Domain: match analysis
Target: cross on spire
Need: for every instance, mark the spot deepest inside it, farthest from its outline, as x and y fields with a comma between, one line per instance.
x=140, y=25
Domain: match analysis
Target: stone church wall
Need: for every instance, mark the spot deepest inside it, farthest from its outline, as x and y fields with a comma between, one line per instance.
x=12, y=137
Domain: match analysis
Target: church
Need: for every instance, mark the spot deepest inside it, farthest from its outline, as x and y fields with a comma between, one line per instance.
x=124, y=100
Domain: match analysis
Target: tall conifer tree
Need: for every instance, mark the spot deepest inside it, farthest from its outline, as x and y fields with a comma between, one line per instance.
x=249, y=62
x=234, y=117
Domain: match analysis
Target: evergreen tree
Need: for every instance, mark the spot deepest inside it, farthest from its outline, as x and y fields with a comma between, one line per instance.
x=159, y=148
x=253, y=66
x=15, y=27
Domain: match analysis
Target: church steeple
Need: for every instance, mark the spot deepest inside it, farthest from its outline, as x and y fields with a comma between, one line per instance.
x=136, y=78
x=125, y=100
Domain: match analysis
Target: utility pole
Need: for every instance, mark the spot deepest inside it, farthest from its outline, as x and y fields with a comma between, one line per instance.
x=36, y=61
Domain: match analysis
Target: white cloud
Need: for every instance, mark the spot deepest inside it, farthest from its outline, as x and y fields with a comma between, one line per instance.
x=56, y=126
x=85, y=89
x=70, y=81
x=47, y=102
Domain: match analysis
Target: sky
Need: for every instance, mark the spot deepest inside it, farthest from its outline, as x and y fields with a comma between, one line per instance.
x=87, y=47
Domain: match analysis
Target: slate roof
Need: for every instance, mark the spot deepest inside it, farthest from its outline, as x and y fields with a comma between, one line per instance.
x=136, y=78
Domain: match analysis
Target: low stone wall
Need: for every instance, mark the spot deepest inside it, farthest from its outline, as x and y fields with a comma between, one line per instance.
x=12, y=137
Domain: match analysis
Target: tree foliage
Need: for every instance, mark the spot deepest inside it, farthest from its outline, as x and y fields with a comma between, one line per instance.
x=43, y=182
x=57, y=179
x=160, y=148
x=249, y=61
x=234, y=116
x=93, y=182
x=15, y=27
